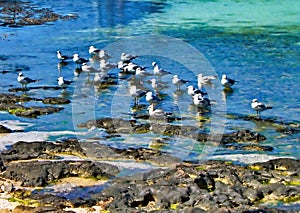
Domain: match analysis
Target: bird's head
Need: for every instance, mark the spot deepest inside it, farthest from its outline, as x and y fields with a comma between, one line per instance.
x=20, y=74
x=224, y=76
x=153, y=63
x=254, y=100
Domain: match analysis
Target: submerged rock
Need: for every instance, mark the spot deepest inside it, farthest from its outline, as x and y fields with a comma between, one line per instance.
x=55, y=100
x=10, y=103
x=122, y=126
x=20, y=13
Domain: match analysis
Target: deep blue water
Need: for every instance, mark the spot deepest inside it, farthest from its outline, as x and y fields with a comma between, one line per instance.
x=242, y=39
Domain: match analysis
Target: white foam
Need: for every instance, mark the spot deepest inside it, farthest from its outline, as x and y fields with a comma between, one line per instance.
x=247, y=158
x=15, y=124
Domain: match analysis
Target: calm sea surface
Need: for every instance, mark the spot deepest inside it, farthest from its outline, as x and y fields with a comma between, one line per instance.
x=255, y=42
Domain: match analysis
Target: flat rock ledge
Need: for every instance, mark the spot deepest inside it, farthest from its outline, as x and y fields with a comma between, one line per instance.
x=31, y=171
x=10, y=103
x=238, y=140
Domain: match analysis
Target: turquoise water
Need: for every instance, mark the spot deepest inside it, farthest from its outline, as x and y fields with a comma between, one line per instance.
x=254, y=42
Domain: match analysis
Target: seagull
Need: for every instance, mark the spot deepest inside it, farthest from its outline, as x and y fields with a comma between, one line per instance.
x=93, y=50
x=227, y=82
x=127, y=57
x=106, y=66
x=130, y=68
x=136, y=93
x=259, y=107
x=201, y=101
x=141, y=72
x=62, y=82
x=98, y=77
x=78, y=60
x=157, y=86
x=156, y=113
x=158, y=71
x=62, y=57
x=150, y=97
x=25, y=80
x=103, y=55
x=192, y=91
x=205, y=79
x=178, y=82
x=87, y=68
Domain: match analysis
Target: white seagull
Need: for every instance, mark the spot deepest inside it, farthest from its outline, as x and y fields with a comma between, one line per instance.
x=62, y=57
x=193, y=91
x=25, y=80
x=201, y=101
x=157, y=86
x=106, y=66
x=205, y=79
x=227, y=82
x=136, y=93
x=87, y=68
x=178, y=82
x=78, y=60
x=158, y=71
x=158, y=114
x=130, y=67
x=98, y=77
x=141, y=72
x=150, y=97
x=62, y=82
x=93, y=50
x=259, y=107
x=103, y=55
x=127, y=57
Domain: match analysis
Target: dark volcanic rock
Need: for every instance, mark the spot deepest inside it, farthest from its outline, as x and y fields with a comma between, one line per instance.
x=213, y=186
x=20, y=89
x=44, y=150
x=9, y=102
x=55, y=100
x=22, y=13
x=121, y=126
x=242, y=136
x=41, y=173
x=4, y=129
x=34, y=112
x=11, y=99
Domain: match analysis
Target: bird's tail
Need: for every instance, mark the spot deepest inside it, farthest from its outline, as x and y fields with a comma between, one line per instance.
x=269, y=107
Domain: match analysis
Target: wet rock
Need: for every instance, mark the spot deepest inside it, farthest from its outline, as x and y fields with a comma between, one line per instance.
x=55, y=100
x=116, y=125
x=20, y=89
x=4, y=129
x=282, y=164
x=34, y=112
x=242, y=136
x=41, y=173
x=11, y=99
x=42, y=150
x=20, y=13
x=253, y=147
x=11, y=104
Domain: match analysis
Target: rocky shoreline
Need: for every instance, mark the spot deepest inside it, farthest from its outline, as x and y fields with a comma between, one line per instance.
x=69, y=175
x=33, y=175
